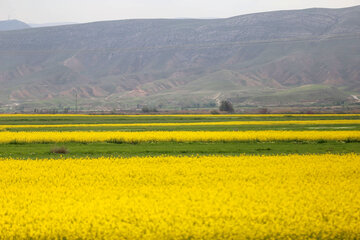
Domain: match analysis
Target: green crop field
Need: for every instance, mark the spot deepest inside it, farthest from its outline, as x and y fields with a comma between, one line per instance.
x=25, y=123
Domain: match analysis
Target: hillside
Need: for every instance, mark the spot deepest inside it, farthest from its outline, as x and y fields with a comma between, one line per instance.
x=303, y=57
x=54, y=24
x=12, y=25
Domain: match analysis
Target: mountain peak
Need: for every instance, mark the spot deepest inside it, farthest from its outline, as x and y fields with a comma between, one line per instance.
x=12, y=24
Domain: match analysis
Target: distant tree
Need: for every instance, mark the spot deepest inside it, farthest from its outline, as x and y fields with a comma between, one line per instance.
x=226, y=106
x=147, y=109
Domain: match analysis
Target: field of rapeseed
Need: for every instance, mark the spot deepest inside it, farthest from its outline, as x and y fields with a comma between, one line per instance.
x=72, y=181
x=176, y=124
x=209, y=197
x=177, y=136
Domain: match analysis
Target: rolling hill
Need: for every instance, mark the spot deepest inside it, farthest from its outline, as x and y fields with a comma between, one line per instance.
x=303, y=57
x=12, y=25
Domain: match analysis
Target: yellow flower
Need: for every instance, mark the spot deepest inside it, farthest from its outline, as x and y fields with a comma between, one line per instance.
x=228, y=123
x=178, y=136
x=200, y=197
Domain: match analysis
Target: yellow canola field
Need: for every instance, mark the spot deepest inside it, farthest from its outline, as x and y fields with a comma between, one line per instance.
x=177, y=136
x=209, y=197
x=180, y=115
x=227, y=123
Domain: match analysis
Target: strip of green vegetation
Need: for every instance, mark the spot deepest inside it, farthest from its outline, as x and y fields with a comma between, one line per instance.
x=334, y=127
x=25, y=120
x=39, y=151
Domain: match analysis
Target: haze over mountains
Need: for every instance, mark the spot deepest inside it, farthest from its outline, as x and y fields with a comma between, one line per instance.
x=55, y=24
x=9, y=25
x=303, y=57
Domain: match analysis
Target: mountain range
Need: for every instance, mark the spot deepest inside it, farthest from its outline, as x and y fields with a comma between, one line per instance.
x=305, y=57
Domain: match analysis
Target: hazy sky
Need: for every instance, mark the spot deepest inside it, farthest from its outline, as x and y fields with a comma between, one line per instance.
x=45, y=11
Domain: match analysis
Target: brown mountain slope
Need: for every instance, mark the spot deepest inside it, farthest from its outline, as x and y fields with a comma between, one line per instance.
x=180, y=63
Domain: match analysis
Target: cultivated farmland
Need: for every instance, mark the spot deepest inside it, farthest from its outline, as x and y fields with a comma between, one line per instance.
x=180, y=176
